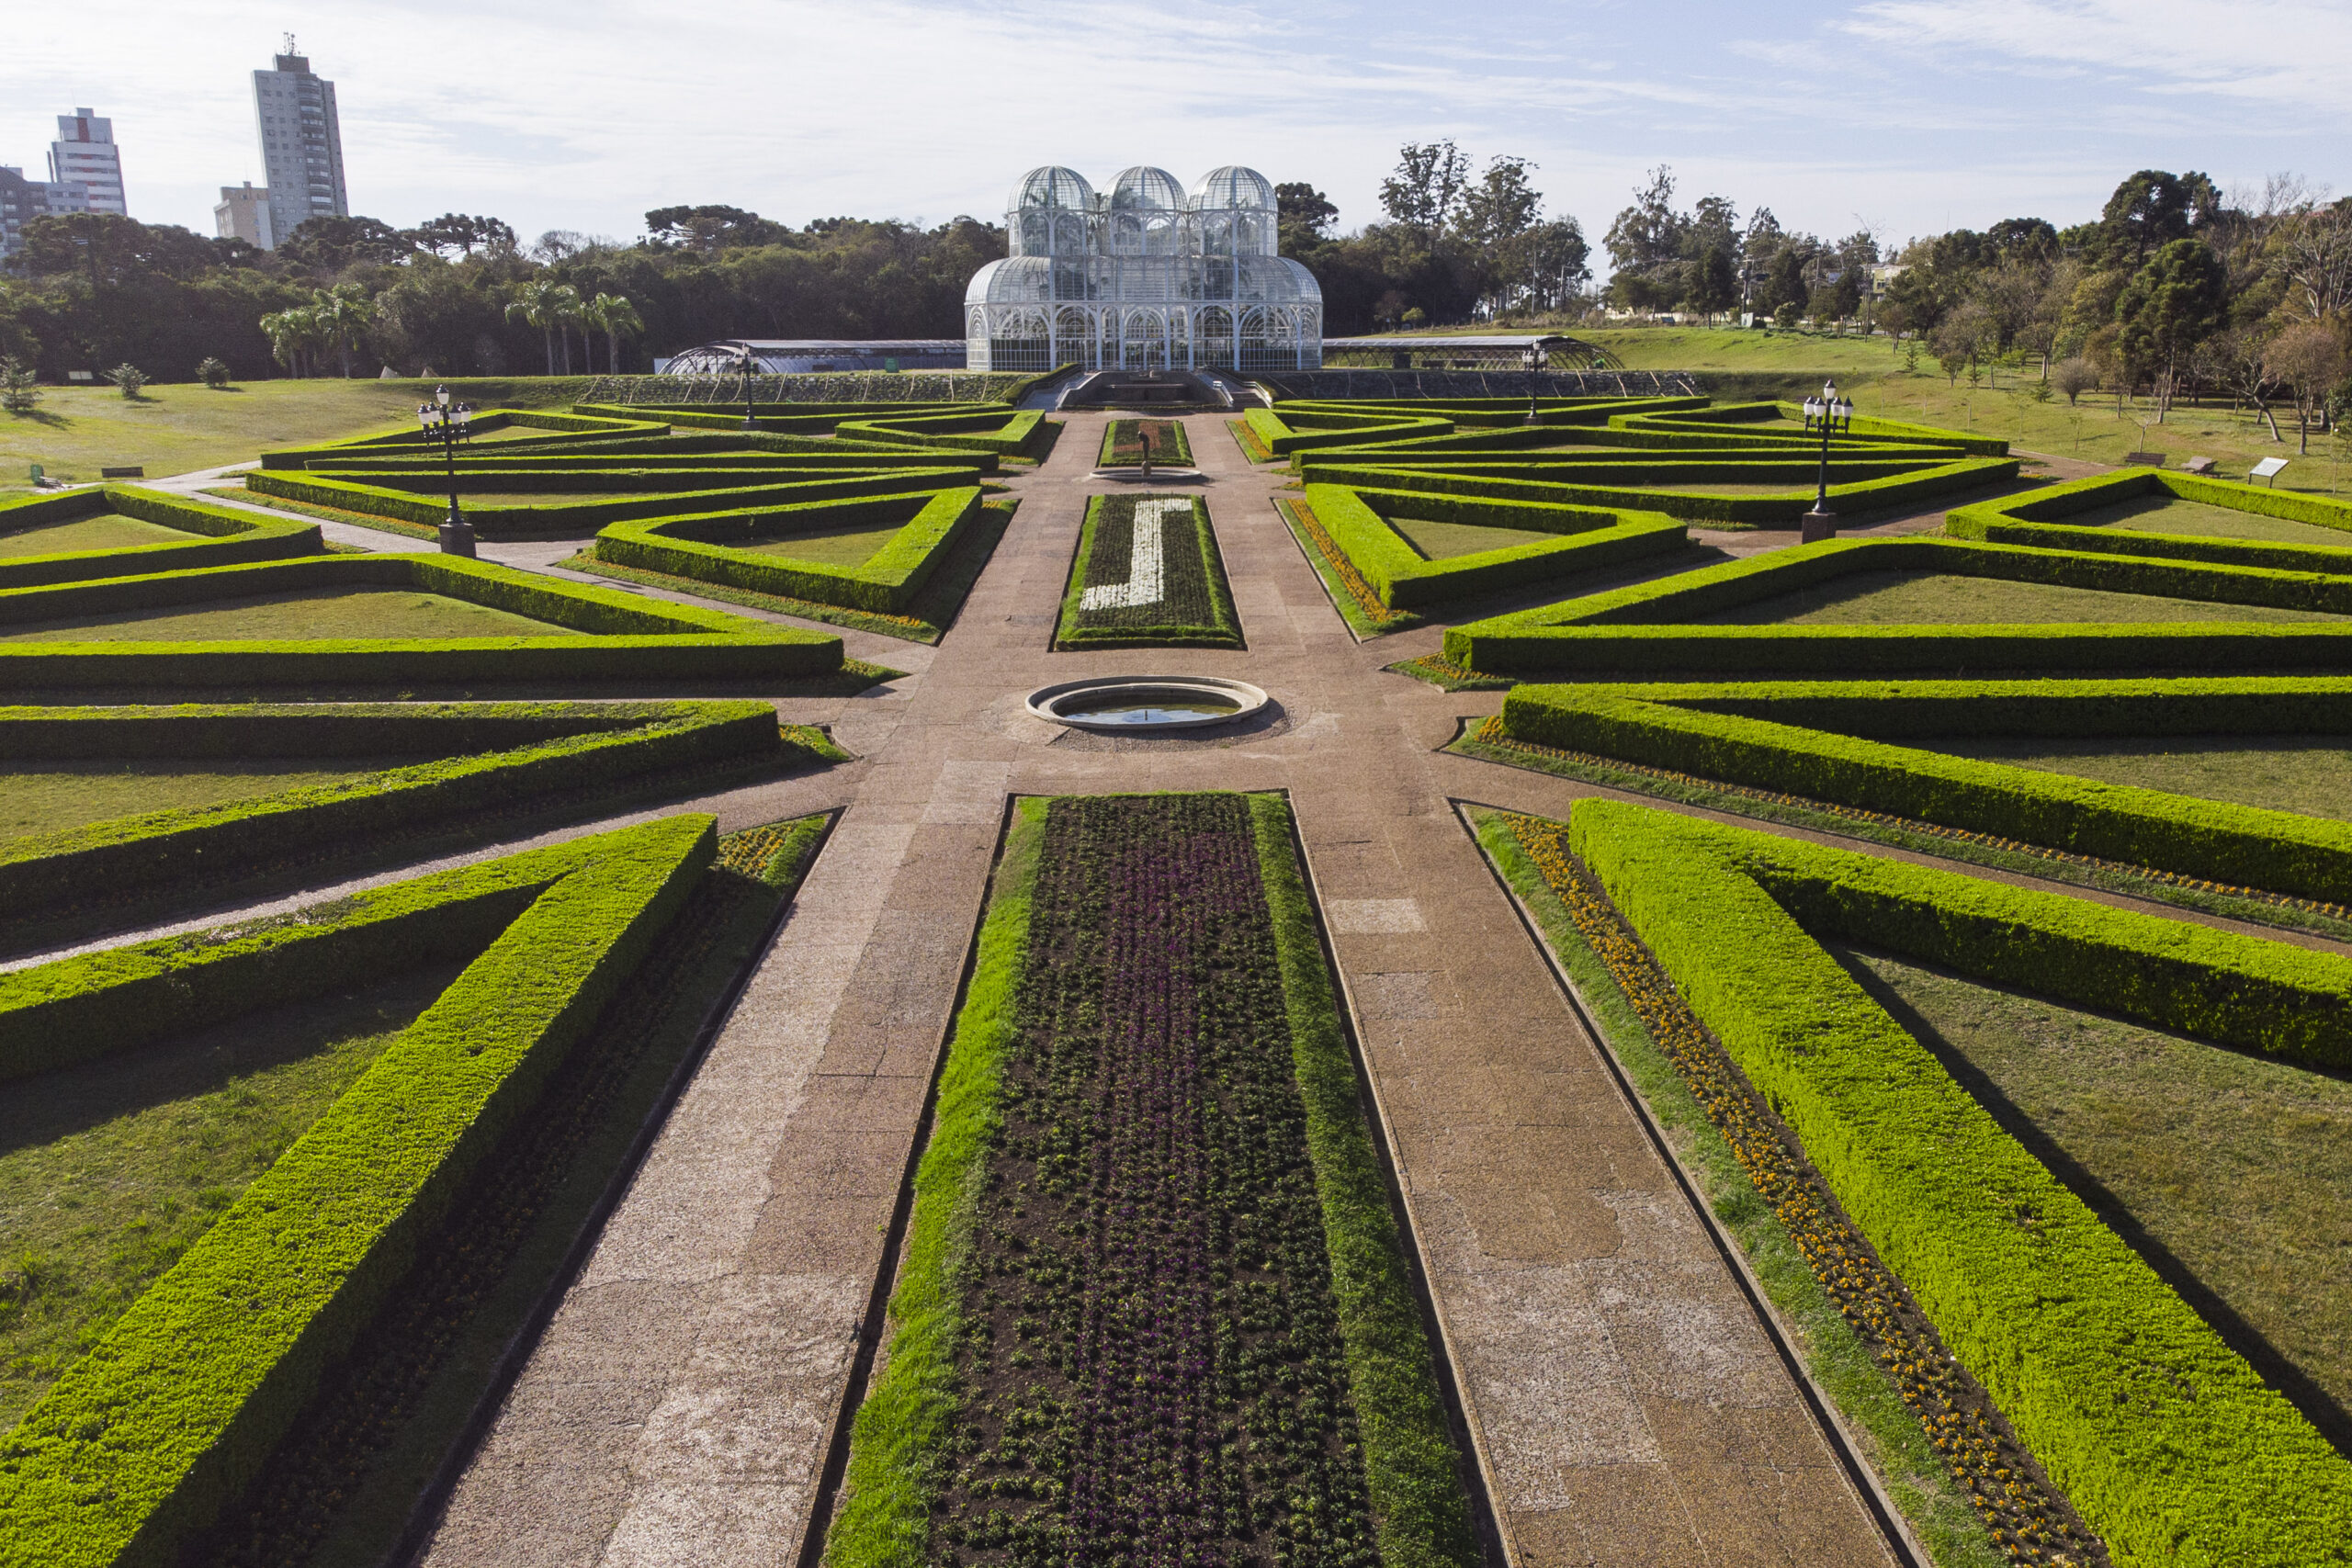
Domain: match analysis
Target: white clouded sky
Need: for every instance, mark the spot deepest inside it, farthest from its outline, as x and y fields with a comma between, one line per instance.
x=1913, y=116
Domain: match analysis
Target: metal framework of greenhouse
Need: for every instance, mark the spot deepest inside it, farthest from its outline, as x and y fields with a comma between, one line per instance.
x=1145, y=277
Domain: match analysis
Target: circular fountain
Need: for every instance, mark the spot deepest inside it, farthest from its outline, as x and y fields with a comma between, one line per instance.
x=1146, y=705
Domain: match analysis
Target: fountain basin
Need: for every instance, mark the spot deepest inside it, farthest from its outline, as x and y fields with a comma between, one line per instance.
x=1146, y=705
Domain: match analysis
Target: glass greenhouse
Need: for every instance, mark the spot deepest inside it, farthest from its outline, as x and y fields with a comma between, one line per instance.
x=1148, y=276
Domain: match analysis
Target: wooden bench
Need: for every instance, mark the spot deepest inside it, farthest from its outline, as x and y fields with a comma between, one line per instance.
x=136, y=471
x=2144, y=459
x=2197, y=465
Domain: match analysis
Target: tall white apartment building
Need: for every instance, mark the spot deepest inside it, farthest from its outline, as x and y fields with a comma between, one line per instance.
x=84, y=154
x=243, y=214
x=301, y=144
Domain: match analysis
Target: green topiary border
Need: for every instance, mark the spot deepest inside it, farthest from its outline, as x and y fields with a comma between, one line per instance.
x=2037, y=519
x=228, y=537
x=1357, y=521
x=886, y=583
x=617, y=635
x=143, y=1441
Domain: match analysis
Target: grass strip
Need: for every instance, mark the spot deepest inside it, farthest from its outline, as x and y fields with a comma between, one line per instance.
x=1447, y=676
x=1358, y=603
x=1895, y=1442
x=1411, y=1469
x=1247, y=439
x=1487, y=742
x=930, y=614
x=896, y=1462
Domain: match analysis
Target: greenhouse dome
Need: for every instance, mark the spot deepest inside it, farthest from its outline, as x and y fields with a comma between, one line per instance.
x=1145, y=276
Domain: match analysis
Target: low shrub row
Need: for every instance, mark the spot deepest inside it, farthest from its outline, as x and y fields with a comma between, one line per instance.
x=1304, y=429
x=1858, y=484
x=493, y=758
x=992, y=429
x=224, y=536
x=618, y=636
x=139, y=1444
x=2163, y=1438
x=564, y=430
x=707, y=546
x=1686, y=730
x=1633, y=630
x=414, y=501
x=2038, y=519
x=1357, y=522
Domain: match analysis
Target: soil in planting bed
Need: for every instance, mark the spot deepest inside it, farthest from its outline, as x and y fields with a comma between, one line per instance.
x=303, y=613
x=2309, y=774
x=2156, y=514
x=48, y=797
x=2227, y=1170
x=1143, y=1355
x=842, y=546
x=1927, y=598
x=106, y=531
x=109, y=1170
x=1439, y=540
x=1148, y=574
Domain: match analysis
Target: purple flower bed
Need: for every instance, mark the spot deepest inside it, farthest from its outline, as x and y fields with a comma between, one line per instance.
x=1152, y=1371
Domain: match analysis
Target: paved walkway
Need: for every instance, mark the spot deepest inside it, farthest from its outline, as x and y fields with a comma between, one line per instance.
x=1627, y=1406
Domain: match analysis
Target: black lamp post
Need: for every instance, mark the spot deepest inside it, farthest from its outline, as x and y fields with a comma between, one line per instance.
x=1829, y=411
x=749, y=422
x=1534, y=359
x=456, y=533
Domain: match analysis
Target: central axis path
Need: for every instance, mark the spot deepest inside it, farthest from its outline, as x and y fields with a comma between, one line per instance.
x=1626, y=1404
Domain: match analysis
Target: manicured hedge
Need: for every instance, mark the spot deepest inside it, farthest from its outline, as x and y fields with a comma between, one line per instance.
x=2165, y=1439
x=1356, y=521
x=619, y=635
x=1649, y=484
x=412, y=498
x=697, y=546
x=564, y=430
x=1635, y=630
x=225, y=536
x=1685, y=728
x=1302, y=429
x=1005, y=433
x=2038, y=519
x=138, y=1446
x=491, y=757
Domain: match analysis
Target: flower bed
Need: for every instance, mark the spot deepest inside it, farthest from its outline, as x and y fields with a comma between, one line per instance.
x=1123, y=443
x=1154, y=1306
x=1148, y=575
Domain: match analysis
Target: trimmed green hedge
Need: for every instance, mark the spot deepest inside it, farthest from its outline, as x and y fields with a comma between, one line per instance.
x=141, y=1443
x=412, y=500
x=2165, y=1439
x=1008, y=434
x=1357, y=521
x=1301, y=429
x=566, y=430
x=2037, y=519
x=227, y=536
x=698, y=546
x=619, y=635
x=1635, y=631
x=1688, y=729
x=1620, y=483
x=492, y=756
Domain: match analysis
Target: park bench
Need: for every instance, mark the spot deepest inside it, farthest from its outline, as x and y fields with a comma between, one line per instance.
x=136, y=471
x=2197, y=465
x=2144, y=459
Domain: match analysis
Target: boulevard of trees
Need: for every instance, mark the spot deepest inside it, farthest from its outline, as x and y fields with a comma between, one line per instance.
x=2173, y=287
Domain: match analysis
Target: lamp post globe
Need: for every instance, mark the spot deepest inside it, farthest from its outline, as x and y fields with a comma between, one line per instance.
x=456, y=533
x=1533, y=359
x=1826, y=410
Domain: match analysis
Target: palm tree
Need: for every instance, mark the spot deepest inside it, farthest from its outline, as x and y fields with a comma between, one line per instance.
x=343, y=312
x=538, y=303
x=566, y=316
x=290, y=332
x=614, y=316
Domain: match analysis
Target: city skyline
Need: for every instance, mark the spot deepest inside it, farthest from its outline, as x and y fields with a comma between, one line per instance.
x=1905, y=116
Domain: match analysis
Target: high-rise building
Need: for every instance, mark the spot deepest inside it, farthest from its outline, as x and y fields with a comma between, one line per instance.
x=301, y=144
x=243, y=214
x=84, y=154
x=22, y=200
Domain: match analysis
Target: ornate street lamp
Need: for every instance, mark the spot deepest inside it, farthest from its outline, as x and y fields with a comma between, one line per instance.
x=1534, y=359
x=749, y=422
x=440, y=422
x=1829, y=411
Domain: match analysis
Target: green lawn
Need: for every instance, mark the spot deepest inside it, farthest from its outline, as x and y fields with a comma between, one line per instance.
x=2310, y=774
x=106, y=531
x=1437, y=540
x=110, y=1170
x=844, y=546
x=303, y=613
x=2155, y=514
x=182, y=427
x=2234, y=1165
x=49, y=797
x=1905, y=598
x=1736, y=363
